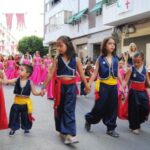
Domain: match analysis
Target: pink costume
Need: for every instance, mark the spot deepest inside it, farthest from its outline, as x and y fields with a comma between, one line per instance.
x=36, y=75
x=45, y=68
x=10, y=70
x=26, y=61
x=125, y=90
x=50, y=88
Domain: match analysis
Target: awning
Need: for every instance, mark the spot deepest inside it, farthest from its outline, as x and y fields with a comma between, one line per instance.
x=70, y=20
x=97, y=7
x=80, y=14
x=105, y=1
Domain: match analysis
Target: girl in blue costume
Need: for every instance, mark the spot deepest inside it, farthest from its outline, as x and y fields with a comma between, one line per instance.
x=138, y=99
x=64, y=67
x=106, y=106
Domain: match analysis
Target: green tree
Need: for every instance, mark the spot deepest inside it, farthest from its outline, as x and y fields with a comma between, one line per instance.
x=32, y=44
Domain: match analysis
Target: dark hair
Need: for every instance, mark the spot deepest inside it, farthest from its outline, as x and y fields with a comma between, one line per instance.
x=103, y=47
x=139, y=54
x=29, y=69
x=70, y=48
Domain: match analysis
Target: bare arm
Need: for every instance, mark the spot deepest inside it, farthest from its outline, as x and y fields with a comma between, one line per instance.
x=4, y=79
x=81, y=72
x=127, y=78
x=51, y=72
x=94, y=75
x=34, y=91
x=147, y=80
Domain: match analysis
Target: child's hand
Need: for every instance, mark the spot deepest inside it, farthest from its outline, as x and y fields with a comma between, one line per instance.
x=88, y=88
x=42, y=93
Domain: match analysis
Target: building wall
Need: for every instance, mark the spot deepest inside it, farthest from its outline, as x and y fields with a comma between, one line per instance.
x=8, y=44
x=88, y=32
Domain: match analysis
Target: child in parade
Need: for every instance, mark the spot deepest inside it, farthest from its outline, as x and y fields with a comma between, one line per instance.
x=10, y=68
x=105, y=108
x=50, y=85
x=26, y=60
x=36, y=75
x=21, y=110
x=3, y=115
x=138, y=99
x=65, y=67
x=122, y=92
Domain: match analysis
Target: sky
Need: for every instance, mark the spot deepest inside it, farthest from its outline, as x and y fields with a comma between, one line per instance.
x=33, y=10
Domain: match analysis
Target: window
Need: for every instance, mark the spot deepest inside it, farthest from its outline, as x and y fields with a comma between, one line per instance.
x=59, y=19
x=47, y=28
x=47, y=7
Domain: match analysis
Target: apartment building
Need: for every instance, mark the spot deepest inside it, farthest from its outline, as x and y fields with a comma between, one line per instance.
x=81, y=20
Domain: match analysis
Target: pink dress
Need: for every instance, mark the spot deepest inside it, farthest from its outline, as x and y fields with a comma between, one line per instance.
x=44, y=70
x=36, y=75
x=10, y=71
x=50, y=88
x=26, y=61
x=125, y=90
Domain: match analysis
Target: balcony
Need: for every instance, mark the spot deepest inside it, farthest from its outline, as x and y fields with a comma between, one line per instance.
x=125, y=11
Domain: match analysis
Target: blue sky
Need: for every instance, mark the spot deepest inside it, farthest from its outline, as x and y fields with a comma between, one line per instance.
x=33, y=17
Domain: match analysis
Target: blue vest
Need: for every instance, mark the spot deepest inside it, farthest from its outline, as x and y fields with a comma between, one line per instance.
x=105, y=70
x=18, y=90
x=66, y=69
x=137, y=76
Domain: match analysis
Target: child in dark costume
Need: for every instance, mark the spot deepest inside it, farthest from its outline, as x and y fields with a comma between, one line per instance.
x=138, y=99
x=106, y=105
x=65, y=67
x=21, y=110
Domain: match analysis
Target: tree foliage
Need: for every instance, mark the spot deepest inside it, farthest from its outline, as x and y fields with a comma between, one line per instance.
x=32, y=44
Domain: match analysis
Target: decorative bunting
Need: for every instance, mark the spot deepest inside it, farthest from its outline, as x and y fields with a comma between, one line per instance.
x=20, y=21
x=9, y=18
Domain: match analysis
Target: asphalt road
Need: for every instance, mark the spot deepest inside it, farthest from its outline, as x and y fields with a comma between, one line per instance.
x=44, y=137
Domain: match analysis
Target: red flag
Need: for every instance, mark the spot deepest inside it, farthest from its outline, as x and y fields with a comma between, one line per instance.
x=9, y=18
x=20, y=21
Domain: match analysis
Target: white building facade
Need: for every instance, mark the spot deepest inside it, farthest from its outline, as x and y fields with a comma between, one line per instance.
x=81, y=20
x=8, y=44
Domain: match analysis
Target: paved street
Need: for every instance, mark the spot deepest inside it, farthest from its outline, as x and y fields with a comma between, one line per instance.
x=44, y=137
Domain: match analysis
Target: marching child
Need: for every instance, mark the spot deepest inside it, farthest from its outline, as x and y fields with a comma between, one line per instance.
x=138, y=99
x=65, y=67
x=106, y=106
x=21, y=110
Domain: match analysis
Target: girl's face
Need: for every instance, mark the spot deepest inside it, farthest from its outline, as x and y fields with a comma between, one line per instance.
x=25, y=56
x=133, y=48
x=37, y=54
x=61, y=47
x=138, y=62
x=121, y=65
x=10, y=57
x=110, y=45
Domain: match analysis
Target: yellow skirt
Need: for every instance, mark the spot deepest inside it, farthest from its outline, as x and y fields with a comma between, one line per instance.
x=24, y=101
